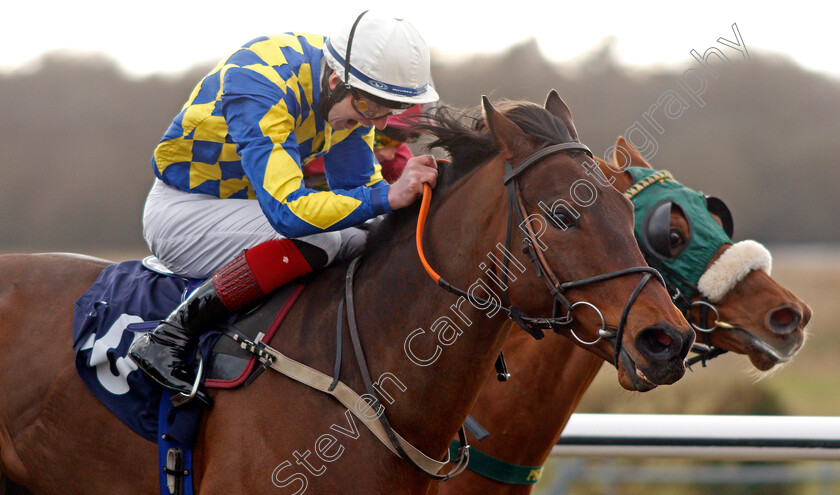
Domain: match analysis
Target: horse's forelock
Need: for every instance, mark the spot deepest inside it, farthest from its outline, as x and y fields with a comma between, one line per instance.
x=464, y=135
x=535, y=121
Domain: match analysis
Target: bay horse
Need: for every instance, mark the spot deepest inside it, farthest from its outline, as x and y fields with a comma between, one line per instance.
x=56, y=438
x=525, y=416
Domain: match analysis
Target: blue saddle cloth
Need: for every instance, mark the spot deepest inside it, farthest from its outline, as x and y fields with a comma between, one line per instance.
x=128, y=296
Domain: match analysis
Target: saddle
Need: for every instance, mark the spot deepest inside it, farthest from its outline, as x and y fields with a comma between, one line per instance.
x=229, y=364
x=103, y=337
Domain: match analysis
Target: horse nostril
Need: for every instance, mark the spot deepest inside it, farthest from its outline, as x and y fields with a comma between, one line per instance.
x=783, y=320
x=655, y=341
x=662, y=338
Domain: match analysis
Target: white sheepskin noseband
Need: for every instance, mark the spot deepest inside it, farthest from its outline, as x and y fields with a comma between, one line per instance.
x=732, y=266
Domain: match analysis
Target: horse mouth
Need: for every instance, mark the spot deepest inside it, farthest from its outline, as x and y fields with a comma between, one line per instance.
x=764, y=356
x=631, y=377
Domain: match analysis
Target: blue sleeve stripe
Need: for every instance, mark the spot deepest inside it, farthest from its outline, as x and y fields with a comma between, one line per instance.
x=379, y=199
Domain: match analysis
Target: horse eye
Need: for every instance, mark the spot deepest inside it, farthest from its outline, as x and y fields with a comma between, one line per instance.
x=676, y=240
x=563, y=221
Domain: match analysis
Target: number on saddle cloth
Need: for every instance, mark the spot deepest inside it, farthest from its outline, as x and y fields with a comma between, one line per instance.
x=131, y=297
x=126, y=295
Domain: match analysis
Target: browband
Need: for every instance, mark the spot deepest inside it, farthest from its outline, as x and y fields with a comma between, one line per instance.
x=539, y=155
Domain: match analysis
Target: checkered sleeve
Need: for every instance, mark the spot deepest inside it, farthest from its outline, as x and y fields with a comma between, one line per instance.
x=351, y=161
x=260, y=111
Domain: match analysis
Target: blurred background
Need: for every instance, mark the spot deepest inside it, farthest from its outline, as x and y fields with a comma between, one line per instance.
x=87, y=89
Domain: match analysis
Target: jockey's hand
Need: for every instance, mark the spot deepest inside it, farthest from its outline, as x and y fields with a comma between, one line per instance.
x=418, y=170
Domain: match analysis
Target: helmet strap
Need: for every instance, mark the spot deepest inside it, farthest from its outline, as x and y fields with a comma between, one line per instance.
x=333, y=96
x=329, y=97
x=347, y=53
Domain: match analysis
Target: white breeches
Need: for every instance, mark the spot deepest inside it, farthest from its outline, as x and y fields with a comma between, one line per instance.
x=196, y=234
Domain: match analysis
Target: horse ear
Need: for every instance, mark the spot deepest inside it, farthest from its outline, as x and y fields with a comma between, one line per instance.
x=628, y=156
x=508, y=137
x=619, y=180
x=557, y=107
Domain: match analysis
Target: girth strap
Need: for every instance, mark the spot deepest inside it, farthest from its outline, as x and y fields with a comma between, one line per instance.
x=499, y=470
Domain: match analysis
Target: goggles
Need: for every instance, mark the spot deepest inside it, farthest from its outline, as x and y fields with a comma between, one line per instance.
x=371, y=110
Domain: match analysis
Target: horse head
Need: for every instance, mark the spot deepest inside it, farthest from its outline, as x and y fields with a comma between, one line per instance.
x=731, y=300
x=579, y=236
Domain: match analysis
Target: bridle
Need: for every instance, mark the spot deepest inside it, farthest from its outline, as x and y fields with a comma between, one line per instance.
x=701, y=314
x=534, y=326
x=707, y=321
x=517, y=214
x=704, y=327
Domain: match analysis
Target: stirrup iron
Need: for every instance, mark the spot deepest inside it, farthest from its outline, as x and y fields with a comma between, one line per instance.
x=182, y=398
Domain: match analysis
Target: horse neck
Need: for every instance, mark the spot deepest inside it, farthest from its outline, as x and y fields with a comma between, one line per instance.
x=526, y=415
x=437, y=396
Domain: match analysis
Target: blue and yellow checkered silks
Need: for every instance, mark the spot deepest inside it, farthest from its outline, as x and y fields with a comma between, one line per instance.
x=250, y=126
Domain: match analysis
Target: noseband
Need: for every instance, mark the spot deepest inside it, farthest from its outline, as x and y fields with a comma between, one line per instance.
x=517, y=214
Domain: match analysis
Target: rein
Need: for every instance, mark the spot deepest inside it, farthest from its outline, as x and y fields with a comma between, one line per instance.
x=517, y=213
x=534, y=326
x=399, y=447
x=486, y=465
x=513, y=474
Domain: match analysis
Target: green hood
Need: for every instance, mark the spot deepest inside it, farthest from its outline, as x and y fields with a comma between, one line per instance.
x=654, y=194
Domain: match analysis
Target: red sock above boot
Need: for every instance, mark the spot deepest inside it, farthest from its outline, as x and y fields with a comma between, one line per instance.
x=258, y=271
x=276, y=263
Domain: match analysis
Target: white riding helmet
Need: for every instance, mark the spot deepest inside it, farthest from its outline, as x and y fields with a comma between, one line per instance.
x=387, y=58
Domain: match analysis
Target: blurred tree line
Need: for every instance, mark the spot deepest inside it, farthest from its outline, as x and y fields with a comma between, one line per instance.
x=78, y=135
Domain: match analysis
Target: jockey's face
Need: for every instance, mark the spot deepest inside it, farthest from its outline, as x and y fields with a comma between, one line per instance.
x=343, y=115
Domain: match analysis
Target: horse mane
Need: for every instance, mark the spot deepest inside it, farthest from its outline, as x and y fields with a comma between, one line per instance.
x=464, y=136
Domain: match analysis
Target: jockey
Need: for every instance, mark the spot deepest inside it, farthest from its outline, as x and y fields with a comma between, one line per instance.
x=229, y=202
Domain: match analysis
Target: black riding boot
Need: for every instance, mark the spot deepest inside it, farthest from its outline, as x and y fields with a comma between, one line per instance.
x=162, y=353
x=233, y=287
